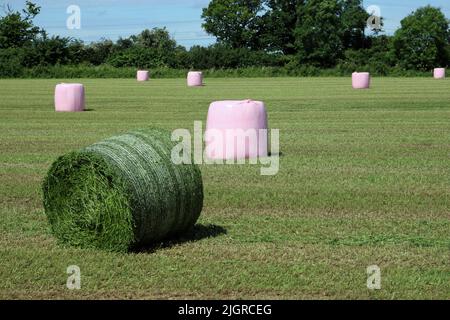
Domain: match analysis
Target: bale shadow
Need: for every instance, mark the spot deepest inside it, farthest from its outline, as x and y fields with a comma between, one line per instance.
x=279, y=154
x=89, y=110
x=197, y=233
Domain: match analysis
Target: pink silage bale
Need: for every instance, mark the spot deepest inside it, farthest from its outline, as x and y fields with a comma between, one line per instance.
x=228, y=121
x=143, y=75
x=361, y=80
x=69, y=97
x=439, y=73
x=195, y=79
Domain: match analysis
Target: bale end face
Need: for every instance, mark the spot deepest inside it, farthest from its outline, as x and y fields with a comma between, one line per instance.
x=87, y=204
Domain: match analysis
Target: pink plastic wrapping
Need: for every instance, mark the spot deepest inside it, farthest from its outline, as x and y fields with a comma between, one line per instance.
x=439, y=73
x=361, y=80
x=195, y=79
x=69, y=97
x=228, y=122
x=143, y=75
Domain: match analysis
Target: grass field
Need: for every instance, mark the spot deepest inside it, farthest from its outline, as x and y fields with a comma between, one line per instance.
x=364, y=180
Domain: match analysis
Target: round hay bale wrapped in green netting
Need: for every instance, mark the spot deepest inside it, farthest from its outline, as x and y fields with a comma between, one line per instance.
x=122, y=193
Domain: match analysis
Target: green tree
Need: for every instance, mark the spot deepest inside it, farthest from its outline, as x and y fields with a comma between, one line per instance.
x=353, y=21
x=235, y=23
x=149, y=49
x=157, y=38
x=318, y=39
x=279, y=23
x=98, y=52
x=326, y=28
x=422, y=42
x=123, y=44
x=17, y=28
x=47, y=51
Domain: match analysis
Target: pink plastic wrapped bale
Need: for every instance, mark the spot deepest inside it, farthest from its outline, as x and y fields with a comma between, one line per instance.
x=236, y=130
x=143, y=75
x=69, y=97
x=361, y=80
x=195, y=79
x=439, y=73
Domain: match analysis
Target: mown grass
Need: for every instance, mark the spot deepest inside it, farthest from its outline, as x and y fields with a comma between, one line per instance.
x=364, y=180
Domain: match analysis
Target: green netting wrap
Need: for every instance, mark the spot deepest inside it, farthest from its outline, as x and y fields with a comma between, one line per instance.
x=122, y=192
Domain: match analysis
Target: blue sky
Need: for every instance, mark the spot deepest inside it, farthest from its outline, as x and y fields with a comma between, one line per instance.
x=113, y=18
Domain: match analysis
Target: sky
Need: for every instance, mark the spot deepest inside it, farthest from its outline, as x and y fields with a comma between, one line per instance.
x=111, y=19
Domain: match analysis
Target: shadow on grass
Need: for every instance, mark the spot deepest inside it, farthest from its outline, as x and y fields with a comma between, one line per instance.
x=273, y=154
x=197, y=233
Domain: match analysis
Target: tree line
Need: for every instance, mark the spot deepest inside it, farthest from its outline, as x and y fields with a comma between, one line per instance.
x=285, y=34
